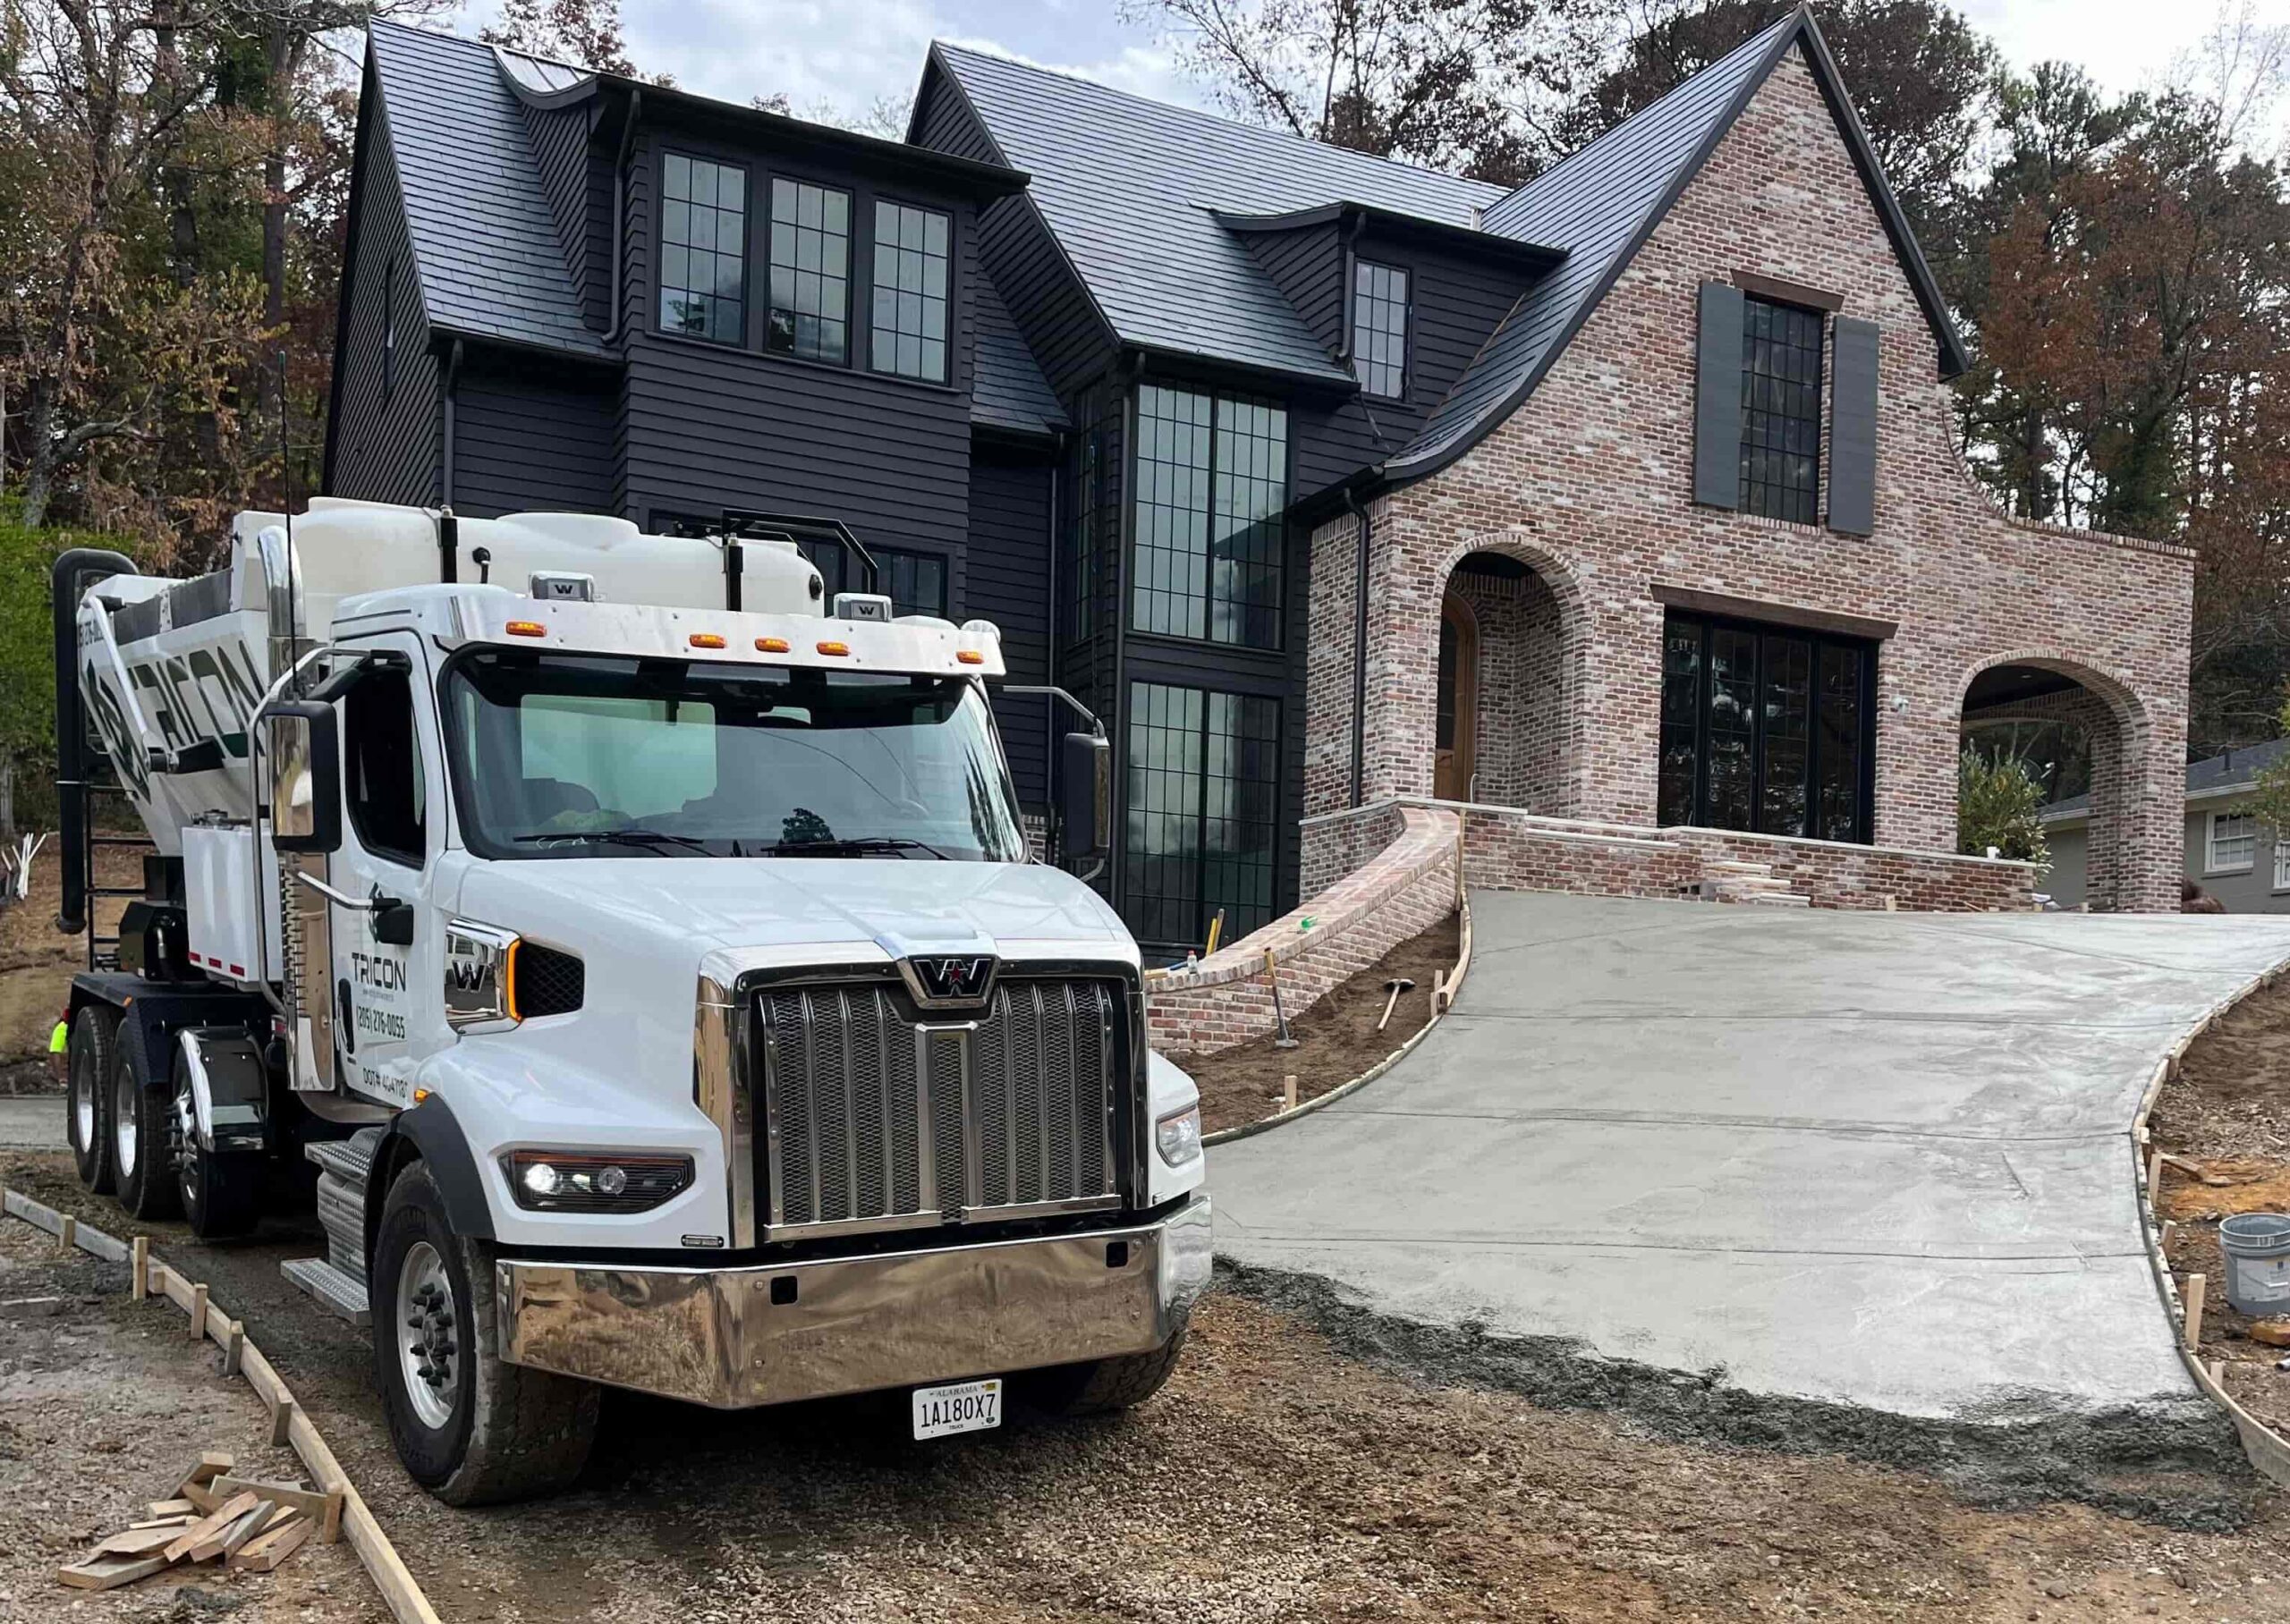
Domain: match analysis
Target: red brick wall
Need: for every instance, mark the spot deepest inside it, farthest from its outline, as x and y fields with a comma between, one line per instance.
x=1401, y=890
x=1510, y=854
x=1834, y=875
x=1591, y=483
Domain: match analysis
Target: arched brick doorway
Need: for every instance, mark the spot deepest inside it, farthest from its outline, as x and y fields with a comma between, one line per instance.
x=1504, y=732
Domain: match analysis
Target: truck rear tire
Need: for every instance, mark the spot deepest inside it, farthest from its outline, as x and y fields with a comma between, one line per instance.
x=1096, y=1386
x=143, y=1143
x=220, y=1196
x=89, y=1055
x=471, y=1429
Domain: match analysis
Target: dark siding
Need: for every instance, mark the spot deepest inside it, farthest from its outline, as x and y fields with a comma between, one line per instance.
x=530, y=439
x=1307, y=265
x=561, y=155
x=386, y=442
x=1007, y=582
x=1054, y=313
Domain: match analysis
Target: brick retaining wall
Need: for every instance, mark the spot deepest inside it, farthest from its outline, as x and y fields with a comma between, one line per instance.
x=1834, y=876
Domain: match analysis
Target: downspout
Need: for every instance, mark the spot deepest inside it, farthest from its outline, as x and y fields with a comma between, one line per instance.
x=445, y=454
x=620, y=217
x=1050, y=643
x=1359, y=650
x=1348, y=235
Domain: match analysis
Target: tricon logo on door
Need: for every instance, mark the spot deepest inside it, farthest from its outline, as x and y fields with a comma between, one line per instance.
x=958, y=981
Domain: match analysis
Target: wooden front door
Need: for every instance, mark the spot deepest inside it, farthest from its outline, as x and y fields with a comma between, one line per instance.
x=1458, y=708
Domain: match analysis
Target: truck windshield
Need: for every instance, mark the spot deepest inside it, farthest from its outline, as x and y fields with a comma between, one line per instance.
x=606, y=757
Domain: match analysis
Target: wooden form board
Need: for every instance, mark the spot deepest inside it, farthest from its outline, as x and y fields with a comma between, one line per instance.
x=379, y=1558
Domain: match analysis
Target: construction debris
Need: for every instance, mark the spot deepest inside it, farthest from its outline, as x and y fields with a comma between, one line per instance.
x=246, y=1524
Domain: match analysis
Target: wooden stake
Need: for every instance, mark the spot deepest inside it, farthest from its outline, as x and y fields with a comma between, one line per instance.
x=198, y=1314
x=233, y=1344
x=2196, y=1287
x=2170, y=1228
x=140, y=1263
x=281, y=1420
x=2154, y=1173
x=1288, y=1093
x=67, y=1234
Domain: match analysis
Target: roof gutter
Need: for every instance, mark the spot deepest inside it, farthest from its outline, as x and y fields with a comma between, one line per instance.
x=613, y=332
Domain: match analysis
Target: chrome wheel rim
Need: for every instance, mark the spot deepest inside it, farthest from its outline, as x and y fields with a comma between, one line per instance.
x=183, y=1128
x=123, y=1125
x=429, y=1359
x=83, y=1102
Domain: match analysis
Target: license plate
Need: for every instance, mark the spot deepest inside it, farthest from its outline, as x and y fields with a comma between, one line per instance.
x=958, y=1407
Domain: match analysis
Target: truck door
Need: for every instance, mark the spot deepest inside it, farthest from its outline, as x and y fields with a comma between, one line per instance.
x=393, y=811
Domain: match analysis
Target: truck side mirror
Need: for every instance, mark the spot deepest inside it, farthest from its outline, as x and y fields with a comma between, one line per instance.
x=1085, y=824
x=299, y=740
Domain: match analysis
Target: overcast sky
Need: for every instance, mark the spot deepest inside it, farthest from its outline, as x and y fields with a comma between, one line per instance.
x=851, y=51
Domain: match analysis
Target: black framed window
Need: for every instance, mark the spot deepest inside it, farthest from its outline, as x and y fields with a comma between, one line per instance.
x=1767, y=729
x=914, y=580
x=911, y=249
x=1202, y=812
x=1781, y=410
x=703, y=248
x=1212, y=490
x=1379, y=300
x=810, y=271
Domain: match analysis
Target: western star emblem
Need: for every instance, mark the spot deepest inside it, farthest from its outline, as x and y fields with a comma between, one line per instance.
x=951, y=981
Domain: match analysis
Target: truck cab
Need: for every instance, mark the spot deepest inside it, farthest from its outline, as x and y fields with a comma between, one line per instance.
x=661, y=982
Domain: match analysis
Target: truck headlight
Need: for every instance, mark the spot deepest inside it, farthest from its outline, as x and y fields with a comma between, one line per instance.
x=1178, y=1135
x=589, y=1182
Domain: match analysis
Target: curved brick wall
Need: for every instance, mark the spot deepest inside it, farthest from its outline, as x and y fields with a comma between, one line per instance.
x=1402, y=889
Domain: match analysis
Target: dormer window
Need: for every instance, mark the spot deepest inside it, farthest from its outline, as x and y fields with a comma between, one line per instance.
x=1781, y=410
x=909, y=335
x=1379, y=299
x=703, y=250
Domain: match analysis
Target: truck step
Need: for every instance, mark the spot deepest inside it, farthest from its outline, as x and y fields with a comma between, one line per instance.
x=350, y=1160
x=337, y=1292
x=344, y=1166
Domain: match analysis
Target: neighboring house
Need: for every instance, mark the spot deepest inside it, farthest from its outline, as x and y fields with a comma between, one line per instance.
x=2230, y=853
x=1645, y=472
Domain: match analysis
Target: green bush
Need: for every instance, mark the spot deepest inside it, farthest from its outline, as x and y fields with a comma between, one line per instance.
x=1998, y=803
x=28, y=666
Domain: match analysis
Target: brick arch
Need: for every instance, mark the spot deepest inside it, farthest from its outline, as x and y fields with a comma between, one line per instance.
x=2133, y=858
x=1532, y=647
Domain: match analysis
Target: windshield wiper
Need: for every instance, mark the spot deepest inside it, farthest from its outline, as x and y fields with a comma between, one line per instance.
x=858, y=846
x=643, y=840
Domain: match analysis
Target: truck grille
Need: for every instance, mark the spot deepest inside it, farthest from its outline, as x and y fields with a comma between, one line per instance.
x=879, y=1117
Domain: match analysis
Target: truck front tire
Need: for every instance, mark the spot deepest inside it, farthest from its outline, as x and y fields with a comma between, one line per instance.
x=1096, y=1386
x=471, y=1428
x=89, y=1057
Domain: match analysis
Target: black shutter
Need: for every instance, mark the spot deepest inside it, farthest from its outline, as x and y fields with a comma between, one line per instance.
x=1717, y=399
x=1852, y=429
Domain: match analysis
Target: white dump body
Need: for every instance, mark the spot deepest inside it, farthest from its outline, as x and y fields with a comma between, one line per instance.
x=172, y=671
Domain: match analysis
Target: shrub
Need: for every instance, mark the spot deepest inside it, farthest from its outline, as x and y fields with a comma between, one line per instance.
x=1999, y=804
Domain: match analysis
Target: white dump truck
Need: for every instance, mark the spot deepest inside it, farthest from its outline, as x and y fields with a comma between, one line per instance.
x=641, y=963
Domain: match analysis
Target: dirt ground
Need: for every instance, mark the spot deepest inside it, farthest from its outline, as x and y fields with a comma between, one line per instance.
x=1277, y=1478
x=2227, y=1114
x=1335, y=1039
x=38, y=962
x=103, y=1406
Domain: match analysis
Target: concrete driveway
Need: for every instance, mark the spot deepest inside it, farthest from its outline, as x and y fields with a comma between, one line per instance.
x=1875, y=1158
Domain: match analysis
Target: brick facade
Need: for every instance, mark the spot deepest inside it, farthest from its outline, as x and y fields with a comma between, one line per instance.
x=1590, y=483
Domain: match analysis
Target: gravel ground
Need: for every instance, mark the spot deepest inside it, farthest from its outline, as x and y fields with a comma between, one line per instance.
x=103, y=1406
x=1277, y=1478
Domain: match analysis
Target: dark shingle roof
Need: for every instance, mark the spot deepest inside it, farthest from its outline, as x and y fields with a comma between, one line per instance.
x=2237, y=769
x=1008, y=389
x=1597, y=203
x=1127, y=186
x=486, y=251
x=485, y=248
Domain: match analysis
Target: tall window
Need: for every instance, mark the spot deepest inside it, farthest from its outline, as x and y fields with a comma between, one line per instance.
x=915, y=582
x=810, y=271
x=704, y=248
x=2233, y=843
x=1379, y=328
x=1781, y=410
x=909, y=326
x=1765, y=729
x=1203, y=812
x=1212, y=488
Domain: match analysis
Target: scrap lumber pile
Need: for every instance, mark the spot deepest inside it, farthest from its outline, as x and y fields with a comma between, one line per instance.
x=212, y=1515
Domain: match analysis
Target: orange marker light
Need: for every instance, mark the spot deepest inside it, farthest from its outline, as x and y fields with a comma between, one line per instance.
x=771, y=645
x=834, y=648
x=509, y=980
x=969, y=656
x=705, y=639
x=526, y=629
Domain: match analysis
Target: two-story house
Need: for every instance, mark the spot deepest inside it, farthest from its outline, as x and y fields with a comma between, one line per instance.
x=1624, y=506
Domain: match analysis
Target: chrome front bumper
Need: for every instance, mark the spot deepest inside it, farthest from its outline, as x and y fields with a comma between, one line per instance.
x=851, y=1324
